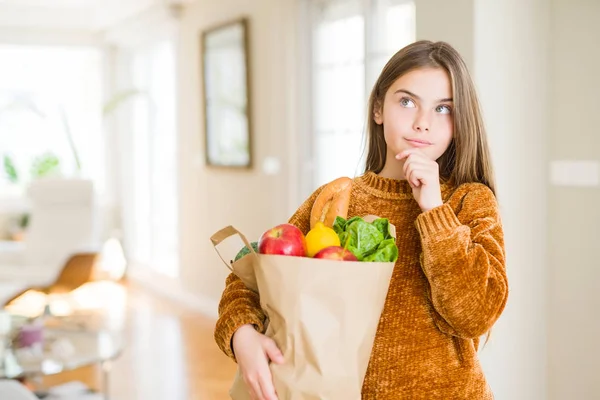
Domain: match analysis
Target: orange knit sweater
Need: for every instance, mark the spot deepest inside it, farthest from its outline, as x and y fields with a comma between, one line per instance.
x=448, y=288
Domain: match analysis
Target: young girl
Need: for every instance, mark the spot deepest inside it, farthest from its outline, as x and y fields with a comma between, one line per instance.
x=429, y=172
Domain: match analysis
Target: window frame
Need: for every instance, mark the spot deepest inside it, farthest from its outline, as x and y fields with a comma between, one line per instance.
x=307, y=169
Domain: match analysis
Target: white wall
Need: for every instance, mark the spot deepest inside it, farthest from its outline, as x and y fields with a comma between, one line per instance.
x=511, y=69
x=505, y=44
x=449, y=21
x=574, y=213
x=249, y=200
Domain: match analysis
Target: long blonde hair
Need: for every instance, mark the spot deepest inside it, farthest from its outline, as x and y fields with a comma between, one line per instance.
x=467, y=158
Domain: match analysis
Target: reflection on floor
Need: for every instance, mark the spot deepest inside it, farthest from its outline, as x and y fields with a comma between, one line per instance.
x=170, y=355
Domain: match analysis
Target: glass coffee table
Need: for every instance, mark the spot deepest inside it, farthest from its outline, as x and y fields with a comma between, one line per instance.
x=64, y=350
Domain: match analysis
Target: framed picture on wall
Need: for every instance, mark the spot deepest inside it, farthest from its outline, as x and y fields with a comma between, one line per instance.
x=226, y=77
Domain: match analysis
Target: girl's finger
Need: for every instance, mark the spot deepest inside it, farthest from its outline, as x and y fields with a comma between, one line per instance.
x=265, y=381
x=423, y=176
x=254, y=386
x=401, y=155
x=413, y=176
x=409, y=167
x=405, y=168
x=417, y=160
x=273, y=351
x=412, y=163
x=405, y=153
x=424, y=164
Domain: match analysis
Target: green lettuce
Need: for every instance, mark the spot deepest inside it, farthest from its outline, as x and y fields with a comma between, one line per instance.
x=367, y=241
x=386, y=251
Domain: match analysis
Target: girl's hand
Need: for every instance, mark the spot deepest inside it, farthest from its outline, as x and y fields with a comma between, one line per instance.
x=253, y=350
x=423, y=175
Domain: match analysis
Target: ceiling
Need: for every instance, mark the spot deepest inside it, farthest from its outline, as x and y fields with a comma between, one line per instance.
x=88, y=15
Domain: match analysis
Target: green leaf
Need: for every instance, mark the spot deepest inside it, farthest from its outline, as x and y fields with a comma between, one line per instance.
x=45, y=165
x=245, y=250
x=383, y=225
x=343, y=239
x=367, y=241
x=120, y=98
x=339, y=225
x=363, y=238
x=10, y=169
x=386, y=251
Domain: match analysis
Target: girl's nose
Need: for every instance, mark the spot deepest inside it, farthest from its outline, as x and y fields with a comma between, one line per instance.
x=422, y=123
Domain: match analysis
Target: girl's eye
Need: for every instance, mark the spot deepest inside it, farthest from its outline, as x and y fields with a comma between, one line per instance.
x=406, y=102
x=443, y=109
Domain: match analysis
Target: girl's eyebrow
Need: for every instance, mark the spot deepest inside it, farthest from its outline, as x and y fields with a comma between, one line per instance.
x=418, y=98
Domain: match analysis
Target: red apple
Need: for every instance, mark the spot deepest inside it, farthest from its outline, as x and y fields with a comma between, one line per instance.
x=284, y=239
x=336, y=253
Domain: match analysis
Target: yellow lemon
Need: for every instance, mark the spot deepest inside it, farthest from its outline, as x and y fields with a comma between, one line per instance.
x=319, y=238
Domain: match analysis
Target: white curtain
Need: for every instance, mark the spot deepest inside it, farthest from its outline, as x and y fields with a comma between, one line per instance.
x=150, y=185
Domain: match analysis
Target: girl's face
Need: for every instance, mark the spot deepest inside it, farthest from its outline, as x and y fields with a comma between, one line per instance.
x=417, y=112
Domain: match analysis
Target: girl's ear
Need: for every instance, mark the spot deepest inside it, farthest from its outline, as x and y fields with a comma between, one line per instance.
x=378, y=113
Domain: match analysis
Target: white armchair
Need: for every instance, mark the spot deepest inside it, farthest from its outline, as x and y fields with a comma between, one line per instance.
x=62, y=222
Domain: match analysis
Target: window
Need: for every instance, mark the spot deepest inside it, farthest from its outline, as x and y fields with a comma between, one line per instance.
x=152, y=228
x=50, y=96
x=351, y=42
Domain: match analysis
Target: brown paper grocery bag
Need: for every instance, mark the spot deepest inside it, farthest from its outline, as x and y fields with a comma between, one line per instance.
x=244, y=267
x=323, y=315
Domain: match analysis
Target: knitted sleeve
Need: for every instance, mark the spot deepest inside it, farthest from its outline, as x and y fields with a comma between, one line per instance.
x=464, y=261
x=238, y=306
x=241, y=306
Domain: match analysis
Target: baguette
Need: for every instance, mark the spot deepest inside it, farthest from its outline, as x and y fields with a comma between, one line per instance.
x=333, y=201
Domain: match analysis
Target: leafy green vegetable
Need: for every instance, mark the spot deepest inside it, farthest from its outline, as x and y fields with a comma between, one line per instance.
x=363, y=238
x=367, y=241
x=340, y=224
x=384, y=227
x=245, y=251
x=386, y=251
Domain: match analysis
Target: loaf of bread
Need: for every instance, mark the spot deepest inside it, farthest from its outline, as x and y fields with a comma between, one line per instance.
x=333, y=201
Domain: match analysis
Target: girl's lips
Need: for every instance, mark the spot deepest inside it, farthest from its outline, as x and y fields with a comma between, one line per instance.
x=418, y=142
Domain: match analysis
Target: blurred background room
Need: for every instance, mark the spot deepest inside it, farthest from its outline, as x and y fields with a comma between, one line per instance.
x=114, y=174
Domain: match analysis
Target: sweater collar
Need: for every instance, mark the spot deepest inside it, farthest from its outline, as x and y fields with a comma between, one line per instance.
x=387, y=187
